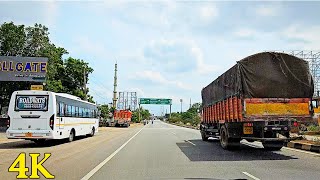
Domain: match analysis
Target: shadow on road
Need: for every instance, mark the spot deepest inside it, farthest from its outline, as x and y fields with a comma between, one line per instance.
x=212, y=151
x=30, y=144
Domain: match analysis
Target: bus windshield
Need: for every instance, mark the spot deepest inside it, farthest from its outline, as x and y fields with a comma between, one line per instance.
x=31, y=103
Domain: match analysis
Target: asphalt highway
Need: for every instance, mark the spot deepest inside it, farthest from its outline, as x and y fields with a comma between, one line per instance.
x=162, y=151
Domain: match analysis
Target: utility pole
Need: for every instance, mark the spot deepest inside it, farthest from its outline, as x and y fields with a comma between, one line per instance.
x=85, y=84
x=114, y=99
x=190, y=104
x=181, y=105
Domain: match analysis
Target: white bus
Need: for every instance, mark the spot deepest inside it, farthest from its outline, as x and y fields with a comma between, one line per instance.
x=41, y=115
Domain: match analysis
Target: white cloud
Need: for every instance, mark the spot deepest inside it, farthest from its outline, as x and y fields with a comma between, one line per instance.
x=178, y=56
x=208, y=13
x=85, y=44
x=267, y=10
x=51, y=13
x=29, y=13
x=245, y=33
x=202, y=66
x=306, y=38
x=158, y=78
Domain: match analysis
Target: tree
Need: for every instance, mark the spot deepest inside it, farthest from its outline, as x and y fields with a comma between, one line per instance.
x=195, y=108
x=104, y=110
x=37, y=40
x=12, y=39
x=76, y=74
x=190, y=116
x=144, y=114
x=55, y=67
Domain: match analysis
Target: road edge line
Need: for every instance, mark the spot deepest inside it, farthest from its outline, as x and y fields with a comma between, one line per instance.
x=250, y=175
x=99, y=166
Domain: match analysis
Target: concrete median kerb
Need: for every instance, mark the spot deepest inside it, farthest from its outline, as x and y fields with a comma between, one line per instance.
x=308, y=146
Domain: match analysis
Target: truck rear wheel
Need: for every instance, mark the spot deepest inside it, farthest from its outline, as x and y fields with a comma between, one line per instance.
x=204, y=136
x=226, y=142
x=272, y=146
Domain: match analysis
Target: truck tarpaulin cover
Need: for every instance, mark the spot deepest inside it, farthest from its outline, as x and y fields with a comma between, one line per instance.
x=263, y=75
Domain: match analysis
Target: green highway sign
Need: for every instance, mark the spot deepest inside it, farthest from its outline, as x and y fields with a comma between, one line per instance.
x=155, y=101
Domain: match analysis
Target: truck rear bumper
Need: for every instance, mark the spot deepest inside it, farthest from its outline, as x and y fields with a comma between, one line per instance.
x=270, y=139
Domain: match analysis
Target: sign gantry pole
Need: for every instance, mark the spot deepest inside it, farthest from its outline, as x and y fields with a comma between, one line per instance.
x=139, y=114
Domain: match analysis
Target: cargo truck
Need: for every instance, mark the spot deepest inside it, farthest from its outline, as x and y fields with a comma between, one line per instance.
x=258, y=99
x=122, y=118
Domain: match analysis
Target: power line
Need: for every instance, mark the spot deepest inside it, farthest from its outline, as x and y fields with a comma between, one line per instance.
x=95, y=81
x=100, y=87
x=99, y=95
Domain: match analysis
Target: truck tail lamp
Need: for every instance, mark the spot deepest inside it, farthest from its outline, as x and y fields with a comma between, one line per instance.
x=248, y=124
x=295, y=124
x=8, y=122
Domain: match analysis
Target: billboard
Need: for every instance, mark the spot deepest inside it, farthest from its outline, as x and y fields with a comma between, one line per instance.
x=14, y=68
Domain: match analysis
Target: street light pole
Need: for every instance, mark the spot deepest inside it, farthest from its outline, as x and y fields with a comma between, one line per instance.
x=181, y=105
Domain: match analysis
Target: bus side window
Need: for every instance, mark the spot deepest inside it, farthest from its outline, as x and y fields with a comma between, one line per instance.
x=80, y=112
x=61, y=109
x=84, y=112
x=65, y=110
x=73, y=111
x=69, y=110
x=77, y=111
x=87, y=113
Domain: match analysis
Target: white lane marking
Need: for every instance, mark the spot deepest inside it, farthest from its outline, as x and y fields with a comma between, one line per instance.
x=173, y=133
x=190, y=142
x=99, y=166
x=302, y=151
x=250, y=175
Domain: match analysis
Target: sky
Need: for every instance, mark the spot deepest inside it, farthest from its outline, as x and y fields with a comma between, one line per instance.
x=167, y=49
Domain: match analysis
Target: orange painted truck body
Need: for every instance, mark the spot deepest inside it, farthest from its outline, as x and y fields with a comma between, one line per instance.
x=235, y=109
x=122, y=117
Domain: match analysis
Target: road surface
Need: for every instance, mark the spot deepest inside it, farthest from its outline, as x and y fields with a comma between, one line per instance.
x=164, y=151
